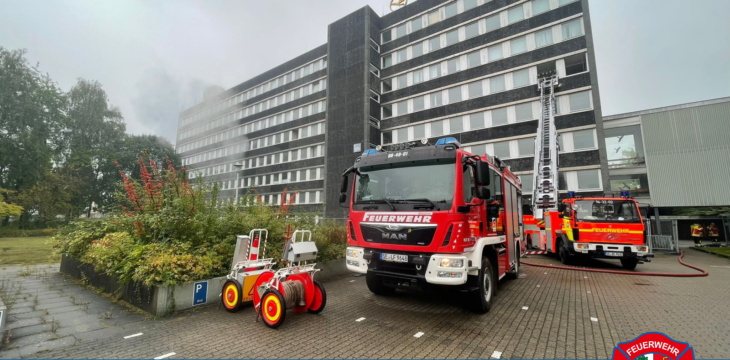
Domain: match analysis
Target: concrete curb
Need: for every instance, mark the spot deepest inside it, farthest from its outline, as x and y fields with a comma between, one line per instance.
x=710, y=252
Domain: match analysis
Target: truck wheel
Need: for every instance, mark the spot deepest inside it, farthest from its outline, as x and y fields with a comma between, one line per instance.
x=629, y=263
x=565, y=256
x=231, y=296
x=487, y=287
x=375, y=285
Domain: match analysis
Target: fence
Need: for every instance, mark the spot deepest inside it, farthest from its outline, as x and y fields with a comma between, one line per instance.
x=664, y=242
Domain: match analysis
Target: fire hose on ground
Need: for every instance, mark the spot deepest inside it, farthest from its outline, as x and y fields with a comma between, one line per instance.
x=621, y=272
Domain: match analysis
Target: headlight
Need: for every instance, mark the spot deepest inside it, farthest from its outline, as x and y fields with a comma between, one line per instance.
x=353, y=253
x=642, y=248
x=582, y=246
x=455, y=263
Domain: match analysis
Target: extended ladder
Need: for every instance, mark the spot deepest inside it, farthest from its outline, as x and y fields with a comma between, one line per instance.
x=545, y=189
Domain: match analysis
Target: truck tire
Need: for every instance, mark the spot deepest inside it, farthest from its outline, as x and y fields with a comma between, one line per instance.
x=565, y=256
x=487, y=286
x=375, y=285
x=629, y=263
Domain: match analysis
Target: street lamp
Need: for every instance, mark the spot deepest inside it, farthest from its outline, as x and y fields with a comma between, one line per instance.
x=238, y=172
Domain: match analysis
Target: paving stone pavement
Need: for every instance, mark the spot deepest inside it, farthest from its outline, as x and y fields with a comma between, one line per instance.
x=546, y=313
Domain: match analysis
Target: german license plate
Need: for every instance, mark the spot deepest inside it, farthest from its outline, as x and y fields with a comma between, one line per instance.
x=610, y=253
x=394, y=258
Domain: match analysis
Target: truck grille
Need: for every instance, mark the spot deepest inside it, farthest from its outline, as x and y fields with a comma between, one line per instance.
x=399, y=234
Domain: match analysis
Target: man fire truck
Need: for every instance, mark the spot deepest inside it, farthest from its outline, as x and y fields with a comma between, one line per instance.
x=600, y=227
x=423, y=215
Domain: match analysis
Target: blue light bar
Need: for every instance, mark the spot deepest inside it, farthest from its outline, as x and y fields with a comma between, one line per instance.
x=624, y=193
x=370, y=152
x=448, y=140
x=571, y=194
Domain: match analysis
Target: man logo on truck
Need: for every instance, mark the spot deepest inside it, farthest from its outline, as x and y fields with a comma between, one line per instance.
x=395, y=236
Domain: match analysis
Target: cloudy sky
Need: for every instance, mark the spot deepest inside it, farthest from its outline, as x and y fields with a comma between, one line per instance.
x=154, y=58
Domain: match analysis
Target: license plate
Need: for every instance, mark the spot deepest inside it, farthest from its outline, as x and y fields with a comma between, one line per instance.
x=619, y=254
x=394, y=258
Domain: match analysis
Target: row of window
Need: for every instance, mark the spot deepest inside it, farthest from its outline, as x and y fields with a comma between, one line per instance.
x=478, y=27
x=296, y=198
x=303, y=153
x=580, y=180
x=302, y=91
x=437, y=15
x=565, y=104
x=295, y=74
x=284, y=177
x=569, y=141
x=486, y=55
x=276, y=119
x=240, y=148
x=529, y=42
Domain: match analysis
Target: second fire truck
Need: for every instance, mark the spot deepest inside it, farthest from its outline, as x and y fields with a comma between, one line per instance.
x=599, y=227
x=424, y=215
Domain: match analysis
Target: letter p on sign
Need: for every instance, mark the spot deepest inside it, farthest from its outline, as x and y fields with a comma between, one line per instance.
x=200, y=293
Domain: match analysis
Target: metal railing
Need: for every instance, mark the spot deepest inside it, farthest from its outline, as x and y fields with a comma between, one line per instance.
x=664, y=243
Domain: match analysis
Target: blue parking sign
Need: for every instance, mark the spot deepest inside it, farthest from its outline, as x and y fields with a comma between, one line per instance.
x=200, y=293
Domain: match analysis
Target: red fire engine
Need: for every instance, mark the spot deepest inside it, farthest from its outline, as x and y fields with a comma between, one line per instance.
x=601, y=227
x=423, y=215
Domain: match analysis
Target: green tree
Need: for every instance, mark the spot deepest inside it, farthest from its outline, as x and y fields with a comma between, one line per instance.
x=52, y=197
x=7, y=209
x=149, y=148
x=30, y=119
x=94, y=131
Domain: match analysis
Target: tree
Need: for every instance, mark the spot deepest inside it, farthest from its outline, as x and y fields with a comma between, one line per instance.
x=7, y=209
x=150, y=148
x=52, y=197
x=30, y=119
x=94, y=131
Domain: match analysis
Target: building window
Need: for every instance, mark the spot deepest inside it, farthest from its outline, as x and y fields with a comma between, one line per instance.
x=544, y=38
x=515, y=14
x=526, y=147
x=434, y=71
x=469, y=4
x=588, y=180
x=575, y=64
x=492, y=23
x=400, y=31
x=419, y=103
x=452, y=37
x=499, y=116
x=496, y=84
x=416, y=24
x=401, y=55
x=455, y=94
x=494, y=52
x=453, y=65
x=478, y=149
x=521, y=78
x=475, y=89
x=387, y=85
x=402, y=81
x=401, y=135
x=473, y=59
x=455, y=125
x=540, y=6
x=476, y=121
x=518, y=45
x=387, y=60
x=437, y=128
x=583, y=140
x=437, y=99
x=374, y=70
x=624, y=146
x=434, y=17
x=417, y=50
x=450, y=10
x=637, y=184
x=419, y=132
x=501, y=150
x=571, y=29
x=472, y=30
x=434, y=43
x=527, y=183
x=579, y=101
x=417, y=76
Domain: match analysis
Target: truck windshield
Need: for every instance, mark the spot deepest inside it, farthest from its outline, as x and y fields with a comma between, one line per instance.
x=430, y=182
x=606, y=210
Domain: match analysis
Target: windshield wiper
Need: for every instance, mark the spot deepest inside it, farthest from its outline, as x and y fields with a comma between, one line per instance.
x=425, y=200
x=377, y=201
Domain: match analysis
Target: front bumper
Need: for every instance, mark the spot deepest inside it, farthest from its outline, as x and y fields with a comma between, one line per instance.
x=613, y=251
x=419, y=268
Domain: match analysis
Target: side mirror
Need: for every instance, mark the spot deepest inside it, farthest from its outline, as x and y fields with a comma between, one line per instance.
x=343, y=197
x=561, y=207
x=482, y=173
x=483, y=193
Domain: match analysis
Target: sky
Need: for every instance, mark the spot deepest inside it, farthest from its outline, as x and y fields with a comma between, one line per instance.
x=155, y=58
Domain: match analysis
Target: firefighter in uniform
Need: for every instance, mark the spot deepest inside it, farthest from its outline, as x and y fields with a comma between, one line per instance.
x=697, y=233
x=713, y=232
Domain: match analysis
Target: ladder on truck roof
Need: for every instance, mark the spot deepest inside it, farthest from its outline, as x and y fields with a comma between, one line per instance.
x=545, y=189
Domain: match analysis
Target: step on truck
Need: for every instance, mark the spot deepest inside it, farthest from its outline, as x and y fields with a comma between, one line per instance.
x=423, y=215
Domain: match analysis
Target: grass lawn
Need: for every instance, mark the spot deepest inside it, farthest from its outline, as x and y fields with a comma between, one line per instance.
x=27, y=251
